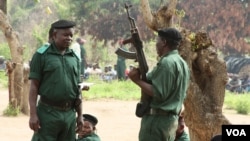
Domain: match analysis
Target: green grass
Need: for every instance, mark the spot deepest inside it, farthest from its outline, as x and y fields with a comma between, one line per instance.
x=11, y=111
x=238, y=102
x=121, y=90
x=127, y=90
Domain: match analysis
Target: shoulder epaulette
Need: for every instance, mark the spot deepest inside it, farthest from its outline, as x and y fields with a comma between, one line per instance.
x=43, y=48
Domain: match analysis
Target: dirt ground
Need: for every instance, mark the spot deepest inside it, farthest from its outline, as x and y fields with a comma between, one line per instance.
x=116, y=120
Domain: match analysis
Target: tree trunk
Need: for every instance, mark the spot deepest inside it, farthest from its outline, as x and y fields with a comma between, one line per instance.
x=26, y=88
x=3, y=6
x=10, y=68
x=16, y=81
x=206, y=92
x=205, y=95
x=160, y=19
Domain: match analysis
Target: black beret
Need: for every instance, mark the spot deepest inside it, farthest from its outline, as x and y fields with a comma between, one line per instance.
x=170, y=33
x=51, y=32
x=62, y=24
x=90, y=118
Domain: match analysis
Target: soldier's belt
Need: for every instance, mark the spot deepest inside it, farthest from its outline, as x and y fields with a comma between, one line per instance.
x=62, y=105
x=154, y=111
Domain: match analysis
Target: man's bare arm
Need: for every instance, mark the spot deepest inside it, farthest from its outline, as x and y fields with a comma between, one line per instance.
x=34, y=121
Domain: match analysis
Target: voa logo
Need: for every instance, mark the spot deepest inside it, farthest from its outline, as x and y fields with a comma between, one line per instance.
x=236, y=132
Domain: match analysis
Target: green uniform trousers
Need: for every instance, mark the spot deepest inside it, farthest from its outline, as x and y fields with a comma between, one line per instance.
x=158, y=127
x=55, y=125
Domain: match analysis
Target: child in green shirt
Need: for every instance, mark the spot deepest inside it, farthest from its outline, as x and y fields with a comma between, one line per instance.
x=88, y=132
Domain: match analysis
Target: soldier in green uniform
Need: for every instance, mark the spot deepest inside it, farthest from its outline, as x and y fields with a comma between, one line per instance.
x=121, y=64
x=89, y=127
x=84, y=64
x=54, y=76
x=168, y=84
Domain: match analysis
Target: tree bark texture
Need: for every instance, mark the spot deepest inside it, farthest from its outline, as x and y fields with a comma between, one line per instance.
x=10, y=68
x=205, y=95
x=16, y=81
x=159, y=19
x=26, y=87
x=206, y=92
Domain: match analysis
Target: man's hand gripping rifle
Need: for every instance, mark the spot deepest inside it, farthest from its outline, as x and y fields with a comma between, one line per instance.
x=144, y=105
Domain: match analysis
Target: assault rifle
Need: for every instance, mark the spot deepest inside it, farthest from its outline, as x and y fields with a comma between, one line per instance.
x=144, y=105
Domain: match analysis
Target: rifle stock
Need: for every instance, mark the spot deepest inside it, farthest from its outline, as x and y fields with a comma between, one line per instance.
x=144, y=105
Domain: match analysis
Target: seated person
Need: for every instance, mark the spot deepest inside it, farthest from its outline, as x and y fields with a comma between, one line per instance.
x=112, y=71
x=107, y=75
x=87, y=133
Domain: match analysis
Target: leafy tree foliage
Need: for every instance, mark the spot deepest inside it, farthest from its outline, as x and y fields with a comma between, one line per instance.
x=107, y=19
x=30, y=19
x=226, y=21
